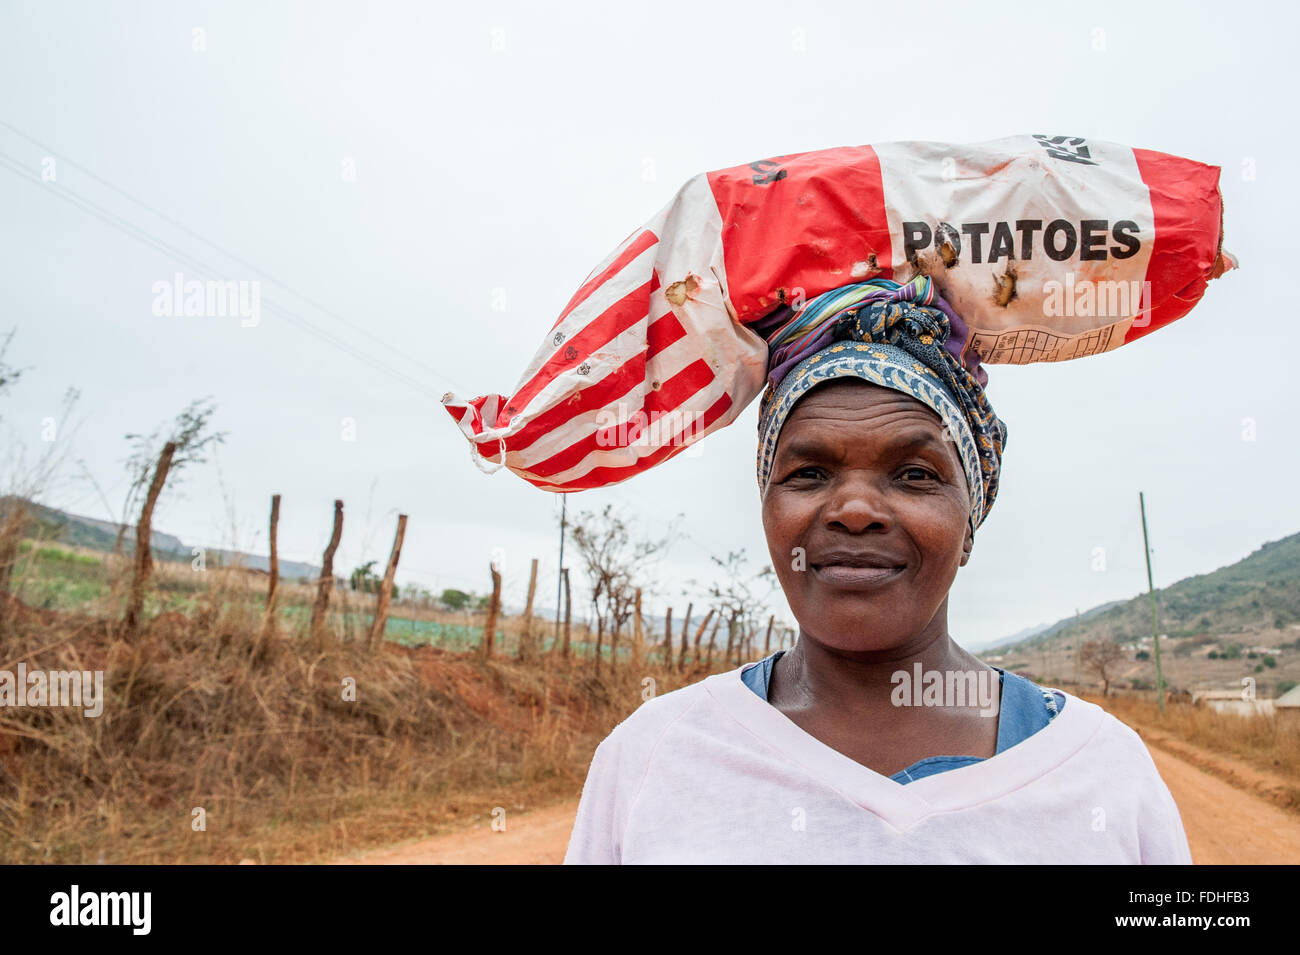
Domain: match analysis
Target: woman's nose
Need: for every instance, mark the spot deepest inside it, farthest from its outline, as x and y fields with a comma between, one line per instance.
x=858, y=503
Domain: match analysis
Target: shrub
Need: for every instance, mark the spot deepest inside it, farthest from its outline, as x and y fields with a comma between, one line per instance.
x=454, y=599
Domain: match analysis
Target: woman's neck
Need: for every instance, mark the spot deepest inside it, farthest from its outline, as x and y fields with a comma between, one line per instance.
x=816, y=673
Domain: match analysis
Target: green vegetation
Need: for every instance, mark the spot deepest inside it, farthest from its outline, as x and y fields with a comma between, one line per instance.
x=367, y=581
x=58, y=554
x=1262, y=591
x=55, y=578
x=455, y=599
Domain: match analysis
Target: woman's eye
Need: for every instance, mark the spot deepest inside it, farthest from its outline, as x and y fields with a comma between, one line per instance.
x=922, y=474
x=807, y=472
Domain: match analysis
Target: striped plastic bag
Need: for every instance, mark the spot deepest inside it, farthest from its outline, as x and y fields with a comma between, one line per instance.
x=1049, y=248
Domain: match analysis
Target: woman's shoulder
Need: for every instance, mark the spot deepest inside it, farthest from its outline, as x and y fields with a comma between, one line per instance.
x=658, y=712
x=1107, y=733
x=1102, y=728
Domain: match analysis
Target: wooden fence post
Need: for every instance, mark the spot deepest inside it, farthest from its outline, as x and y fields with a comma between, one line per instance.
x=681, y=659
x=326, y=582
x=527, y=646
x=668, y=639
x=386, y=588
x=695, y=656
x=13, y=515
x=567, y=611
x=143, y=536
x=713, y=635
x=494, y=607
x=638, y=632
x=273, y=582
x=273, y=586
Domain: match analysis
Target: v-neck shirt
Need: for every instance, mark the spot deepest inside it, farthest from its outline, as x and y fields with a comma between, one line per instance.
x=712, y=773
x=1023, y=710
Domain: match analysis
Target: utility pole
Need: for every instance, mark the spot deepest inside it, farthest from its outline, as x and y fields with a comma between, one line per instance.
x=1151, y=590
x=1078, y=646
x=559, y=574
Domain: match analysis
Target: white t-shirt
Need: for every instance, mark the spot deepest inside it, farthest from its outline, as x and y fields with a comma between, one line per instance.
x=712, y=773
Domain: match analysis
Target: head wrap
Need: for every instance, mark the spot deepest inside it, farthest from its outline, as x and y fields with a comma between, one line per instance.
x=898, y=336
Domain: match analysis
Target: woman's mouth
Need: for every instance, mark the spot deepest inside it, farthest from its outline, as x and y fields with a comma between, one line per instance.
x=854, y=575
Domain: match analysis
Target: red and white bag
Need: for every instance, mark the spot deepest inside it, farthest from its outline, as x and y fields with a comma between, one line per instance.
x=1049, y=248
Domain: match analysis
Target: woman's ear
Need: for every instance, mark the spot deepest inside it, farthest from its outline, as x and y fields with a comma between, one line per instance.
x=966, y=546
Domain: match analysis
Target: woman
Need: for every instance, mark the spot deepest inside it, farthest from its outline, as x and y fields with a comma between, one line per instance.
x=876, y=739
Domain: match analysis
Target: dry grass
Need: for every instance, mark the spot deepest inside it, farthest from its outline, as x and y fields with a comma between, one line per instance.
x=1268, y=743
x=198, y=714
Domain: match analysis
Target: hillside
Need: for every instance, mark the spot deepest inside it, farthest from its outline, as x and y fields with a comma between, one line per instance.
x=1245, y=611
x=76, y=530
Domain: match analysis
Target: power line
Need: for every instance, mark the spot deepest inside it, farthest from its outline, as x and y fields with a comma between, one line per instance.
x=140, y=235
x=222, y=250
x=166, y=249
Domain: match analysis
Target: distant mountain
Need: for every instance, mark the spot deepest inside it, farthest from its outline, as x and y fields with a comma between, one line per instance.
x=1259, y=592
x=76, y=530
x=1019, y=635
x=289, y=569
x=50, y=523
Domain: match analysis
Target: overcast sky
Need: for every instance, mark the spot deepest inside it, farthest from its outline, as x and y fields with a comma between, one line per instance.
x=395, y=173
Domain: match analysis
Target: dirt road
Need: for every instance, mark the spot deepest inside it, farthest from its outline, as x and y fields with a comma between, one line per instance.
x=537, y=837
x=1225, y=824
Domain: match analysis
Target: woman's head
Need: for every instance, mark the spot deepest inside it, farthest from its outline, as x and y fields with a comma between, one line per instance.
x=867, y=514
x=878, y=460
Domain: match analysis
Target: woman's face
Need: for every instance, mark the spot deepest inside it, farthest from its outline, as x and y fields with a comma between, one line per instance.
x=866, y=515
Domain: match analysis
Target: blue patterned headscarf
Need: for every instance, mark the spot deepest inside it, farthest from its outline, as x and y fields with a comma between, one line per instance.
x=896, y=336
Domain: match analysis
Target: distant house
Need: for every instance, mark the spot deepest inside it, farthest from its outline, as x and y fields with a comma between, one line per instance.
x=1232, y=701
x=1287, y=706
